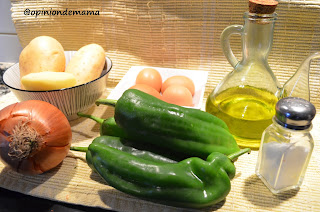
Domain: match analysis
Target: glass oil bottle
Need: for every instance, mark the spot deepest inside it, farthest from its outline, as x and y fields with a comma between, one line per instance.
x=245, y=99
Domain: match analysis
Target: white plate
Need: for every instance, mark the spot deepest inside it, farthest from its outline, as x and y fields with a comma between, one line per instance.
x=199, y=79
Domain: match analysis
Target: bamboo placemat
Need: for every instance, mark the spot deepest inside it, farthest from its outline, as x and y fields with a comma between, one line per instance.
x=170, y=34
x=173, y=34
x=74, y=182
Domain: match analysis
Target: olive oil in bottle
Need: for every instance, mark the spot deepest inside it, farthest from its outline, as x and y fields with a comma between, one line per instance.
x=247, y=111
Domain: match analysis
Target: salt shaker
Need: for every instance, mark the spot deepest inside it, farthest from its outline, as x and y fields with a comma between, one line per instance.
x=286, y=145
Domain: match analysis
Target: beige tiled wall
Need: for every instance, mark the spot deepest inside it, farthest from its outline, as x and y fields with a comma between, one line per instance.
x=10, y=47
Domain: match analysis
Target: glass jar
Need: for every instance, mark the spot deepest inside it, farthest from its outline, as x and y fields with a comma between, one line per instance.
x=246, y=97
x=286, y=145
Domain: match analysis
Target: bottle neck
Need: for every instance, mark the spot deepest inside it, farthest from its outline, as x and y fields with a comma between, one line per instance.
x=257, y=38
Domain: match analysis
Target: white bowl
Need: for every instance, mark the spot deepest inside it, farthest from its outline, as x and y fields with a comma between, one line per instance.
x=69, y=100
x=198, y=77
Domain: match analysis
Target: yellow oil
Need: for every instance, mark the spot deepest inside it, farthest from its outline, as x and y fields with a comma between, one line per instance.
x=247, y=111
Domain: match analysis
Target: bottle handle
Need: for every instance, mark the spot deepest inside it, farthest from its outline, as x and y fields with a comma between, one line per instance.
x=225, y=42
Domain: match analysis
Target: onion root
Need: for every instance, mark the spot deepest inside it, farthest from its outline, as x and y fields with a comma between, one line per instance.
x=24, y=141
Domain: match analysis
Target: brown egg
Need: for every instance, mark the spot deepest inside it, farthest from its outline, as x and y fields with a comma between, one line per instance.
x=151, y=77
x=177, y=94
x=179, y=80
x=147, y=89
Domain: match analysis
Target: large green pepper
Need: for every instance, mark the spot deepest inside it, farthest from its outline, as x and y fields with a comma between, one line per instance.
x=145, y=118
x=193, y=182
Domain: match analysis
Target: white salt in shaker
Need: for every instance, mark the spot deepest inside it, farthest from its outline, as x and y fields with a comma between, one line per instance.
x=286, y=145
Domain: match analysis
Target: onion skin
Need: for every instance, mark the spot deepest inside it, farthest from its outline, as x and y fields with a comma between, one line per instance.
x=48, y=122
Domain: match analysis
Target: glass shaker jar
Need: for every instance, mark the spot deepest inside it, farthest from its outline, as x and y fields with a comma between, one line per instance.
x=286, y=145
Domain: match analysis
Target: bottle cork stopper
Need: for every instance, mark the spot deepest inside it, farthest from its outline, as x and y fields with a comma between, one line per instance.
x=262, y=6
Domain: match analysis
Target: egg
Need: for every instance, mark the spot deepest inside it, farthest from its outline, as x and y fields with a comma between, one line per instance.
x=178, y=94
x=151, y=77
x=179, y=80
x=147, y=89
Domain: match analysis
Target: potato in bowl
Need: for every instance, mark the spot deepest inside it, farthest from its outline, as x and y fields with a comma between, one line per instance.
x=78, y=98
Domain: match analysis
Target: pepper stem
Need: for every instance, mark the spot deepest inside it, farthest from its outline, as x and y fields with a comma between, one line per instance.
x=99, y=120
x=79, y=148
x=235, y=155
x=109, y=102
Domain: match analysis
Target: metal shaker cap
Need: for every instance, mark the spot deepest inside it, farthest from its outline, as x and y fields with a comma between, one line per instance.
x=294, y=113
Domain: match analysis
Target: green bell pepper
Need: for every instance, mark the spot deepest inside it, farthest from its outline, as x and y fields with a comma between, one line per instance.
x=145, y=118
x=193, y=182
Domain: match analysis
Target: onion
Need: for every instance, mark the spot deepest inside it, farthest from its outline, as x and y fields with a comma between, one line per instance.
x=35, y=136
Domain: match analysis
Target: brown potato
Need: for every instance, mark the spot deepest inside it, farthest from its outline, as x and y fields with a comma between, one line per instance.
x=87, y=63
x=43, y=53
